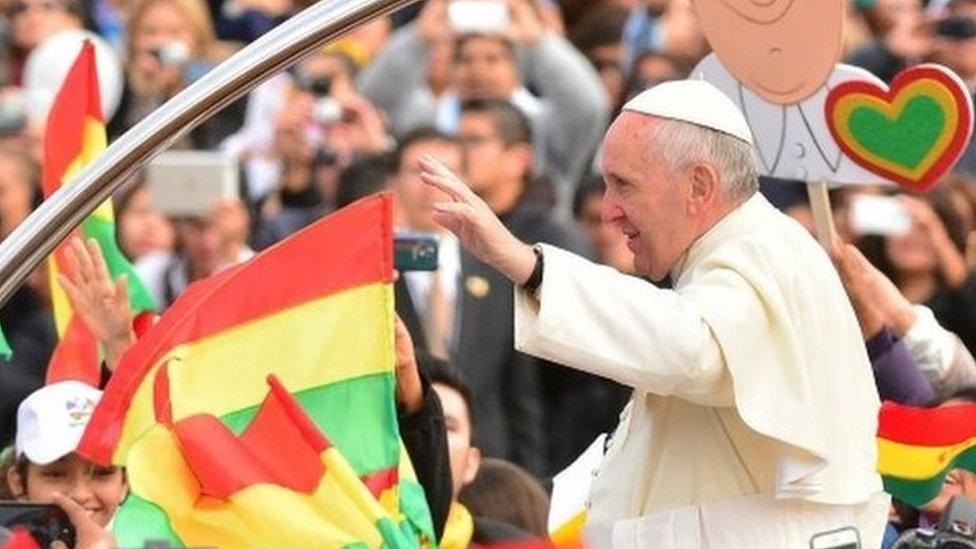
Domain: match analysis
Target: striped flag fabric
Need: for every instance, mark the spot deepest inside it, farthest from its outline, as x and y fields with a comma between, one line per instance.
x=315, y=311
x=917, y=447
x=74, y=137
x=5, y=351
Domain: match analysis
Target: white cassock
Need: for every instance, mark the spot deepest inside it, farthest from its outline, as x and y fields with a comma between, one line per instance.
x=793, y=141
x=754, y=412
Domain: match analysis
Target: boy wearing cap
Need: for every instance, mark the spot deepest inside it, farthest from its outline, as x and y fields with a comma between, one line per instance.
x=46, y=469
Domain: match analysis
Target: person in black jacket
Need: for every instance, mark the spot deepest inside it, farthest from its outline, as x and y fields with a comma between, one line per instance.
x=439, y=440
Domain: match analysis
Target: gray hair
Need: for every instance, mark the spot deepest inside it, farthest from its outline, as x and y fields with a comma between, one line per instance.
x=681, y=143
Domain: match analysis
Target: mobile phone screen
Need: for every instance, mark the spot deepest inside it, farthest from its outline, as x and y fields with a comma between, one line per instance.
x=845, y=538
x=415, y=252
x=45, y=523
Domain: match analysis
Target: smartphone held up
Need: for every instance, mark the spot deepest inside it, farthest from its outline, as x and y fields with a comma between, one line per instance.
x=45, y=523
x=478, y=16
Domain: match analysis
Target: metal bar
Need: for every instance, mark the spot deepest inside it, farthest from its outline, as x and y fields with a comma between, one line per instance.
x=39, y=234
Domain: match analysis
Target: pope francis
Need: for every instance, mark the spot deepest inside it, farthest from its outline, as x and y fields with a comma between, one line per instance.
x=754, y=410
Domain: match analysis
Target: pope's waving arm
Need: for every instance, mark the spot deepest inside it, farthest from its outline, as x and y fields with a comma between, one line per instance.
x=588, y=316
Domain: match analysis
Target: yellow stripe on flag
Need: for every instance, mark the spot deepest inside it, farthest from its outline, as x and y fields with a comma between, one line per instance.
x=917, y=462
x=158, y=473
x=93, y=143
x=59, y=300
x=352, y=324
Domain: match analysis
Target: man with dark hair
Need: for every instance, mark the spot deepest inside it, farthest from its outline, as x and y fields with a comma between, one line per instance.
x=499, y=156
x=453, y=406
x=450, y=313
x=362, y=178
x=567, y=116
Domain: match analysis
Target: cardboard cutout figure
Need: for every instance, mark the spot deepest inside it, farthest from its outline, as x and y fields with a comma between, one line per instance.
x=783, y=51
x=778, y=61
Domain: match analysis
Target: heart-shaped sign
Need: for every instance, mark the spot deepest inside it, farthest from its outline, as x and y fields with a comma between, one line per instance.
x=913, y=133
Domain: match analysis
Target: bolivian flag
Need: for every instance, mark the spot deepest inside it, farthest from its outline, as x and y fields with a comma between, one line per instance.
x=75, y=136
x=316, y=311
x=917, y=447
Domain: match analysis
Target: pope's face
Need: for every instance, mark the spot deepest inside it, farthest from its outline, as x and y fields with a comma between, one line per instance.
x=644, y=200
x=783, y=50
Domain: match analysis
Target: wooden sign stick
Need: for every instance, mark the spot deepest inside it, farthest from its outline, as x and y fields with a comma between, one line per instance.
x=823, y=218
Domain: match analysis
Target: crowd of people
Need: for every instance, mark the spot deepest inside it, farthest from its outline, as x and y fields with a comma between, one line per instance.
x=519, y=112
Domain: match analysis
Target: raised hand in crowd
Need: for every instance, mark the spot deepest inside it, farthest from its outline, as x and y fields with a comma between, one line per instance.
x=148, y=76
x=433, y=26
x=291, y=144
x=952, y=263
x=101, y=303
x=88, y=534
x=409, y=390
x=551, y=16
x=876, y=300
x=857, y=277
x=361, y=128
x=292, y=147
x=525, y=24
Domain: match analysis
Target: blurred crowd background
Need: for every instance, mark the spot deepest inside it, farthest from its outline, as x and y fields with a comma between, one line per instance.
x=515, y=97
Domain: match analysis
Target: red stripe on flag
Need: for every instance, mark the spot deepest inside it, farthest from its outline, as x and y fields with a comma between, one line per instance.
x=76, y=356
x=280, y=401
x=915, y=426
x=281, y=446
x=381, y=480
x=293, y=272
x=65, y=132
x=162, y=406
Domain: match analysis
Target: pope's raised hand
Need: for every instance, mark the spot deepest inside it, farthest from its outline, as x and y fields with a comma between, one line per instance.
x=476, y=226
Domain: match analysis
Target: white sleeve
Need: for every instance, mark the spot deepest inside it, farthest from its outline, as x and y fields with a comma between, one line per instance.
x=931, y=345
x=595, y=319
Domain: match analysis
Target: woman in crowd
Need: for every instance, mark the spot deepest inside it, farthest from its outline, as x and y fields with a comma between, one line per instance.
x=31, y=22
x=927, y=264
x=204, y=246
x=171, y=43
x=142, y=229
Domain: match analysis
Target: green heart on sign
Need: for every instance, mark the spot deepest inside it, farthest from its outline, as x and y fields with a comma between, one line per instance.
x=905, y=140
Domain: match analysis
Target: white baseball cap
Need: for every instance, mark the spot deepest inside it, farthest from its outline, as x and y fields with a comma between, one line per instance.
x=52, y=419
x=694, y=101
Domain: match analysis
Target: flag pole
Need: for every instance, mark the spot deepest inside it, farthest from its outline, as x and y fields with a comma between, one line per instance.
x=35, y=238
x=823, y=218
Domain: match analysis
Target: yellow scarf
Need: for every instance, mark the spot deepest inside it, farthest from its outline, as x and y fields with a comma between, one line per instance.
x=459, y=528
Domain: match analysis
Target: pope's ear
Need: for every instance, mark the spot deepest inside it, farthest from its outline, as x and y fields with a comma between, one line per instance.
x=705, y=187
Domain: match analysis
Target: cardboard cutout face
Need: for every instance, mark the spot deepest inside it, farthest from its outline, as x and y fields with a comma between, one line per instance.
x=783, y=50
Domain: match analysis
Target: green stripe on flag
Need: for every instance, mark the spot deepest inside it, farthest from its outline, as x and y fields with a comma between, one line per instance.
x=103, y=231
x=413, y=505
x=139, y=521
x=918, y=492
x=5, y=351
x=393, y=537
x=370, y=444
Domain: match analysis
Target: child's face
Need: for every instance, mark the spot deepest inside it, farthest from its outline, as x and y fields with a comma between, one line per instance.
x=99, y=490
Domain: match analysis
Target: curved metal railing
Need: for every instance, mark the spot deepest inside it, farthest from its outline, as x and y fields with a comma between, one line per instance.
x=36, y=237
